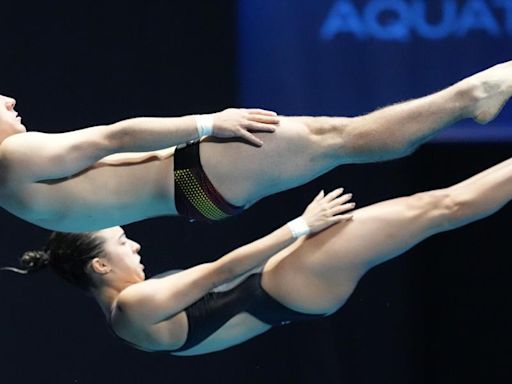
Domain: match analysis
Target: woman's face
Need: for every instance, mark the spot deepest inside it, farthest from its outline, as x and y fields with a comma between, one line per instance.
x=122, y=255
x=10, y=122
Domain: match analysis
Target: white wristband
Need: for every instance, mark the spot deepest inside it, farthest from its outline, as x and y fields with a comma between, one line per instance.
x=298, y=227
x=204, y=125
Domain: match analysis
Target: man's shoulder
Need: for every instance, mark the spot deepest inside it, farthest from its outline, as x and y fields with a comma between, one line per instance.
x=20, y=138
x=18, y=142
x=13, y=150
x=21, y=144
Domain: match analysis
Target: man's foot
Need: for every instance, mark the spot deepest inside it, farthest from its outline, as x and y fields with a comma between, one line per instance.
x=492, y=88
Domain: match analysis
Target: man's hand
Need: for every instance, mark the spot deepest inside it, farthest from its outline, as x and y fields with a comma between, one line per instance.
x=234, y=122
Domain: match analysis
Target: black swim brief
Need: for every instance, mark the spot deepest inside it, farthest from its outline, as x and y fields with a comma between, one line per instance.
x=195, y=195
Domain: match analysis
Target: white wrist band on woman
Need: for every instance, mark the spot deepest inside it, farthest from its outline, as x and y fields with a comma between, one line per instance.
x=298, y=227
x=204, y=125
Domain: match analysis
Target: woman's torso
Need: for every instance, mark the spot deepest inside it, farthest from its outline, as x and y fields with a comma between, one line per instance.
x=170, y=334
x=239, y=325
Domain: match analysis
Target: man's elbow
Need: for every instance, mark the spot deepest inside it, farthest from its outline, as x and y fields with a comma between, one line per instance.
x=114, y=136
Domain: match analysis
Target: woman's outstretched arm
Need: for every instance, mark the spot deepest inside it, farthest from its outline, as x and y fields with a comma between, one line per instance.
x=157, y=299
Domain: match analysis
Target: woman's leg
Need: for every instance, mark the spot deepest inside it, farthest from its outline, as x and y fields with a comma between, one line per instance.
x=320, y=274
x=303, y=148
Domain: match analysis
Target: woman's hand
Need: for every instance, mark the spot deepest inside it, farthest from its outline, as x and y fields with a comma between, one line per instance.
x=326, y=210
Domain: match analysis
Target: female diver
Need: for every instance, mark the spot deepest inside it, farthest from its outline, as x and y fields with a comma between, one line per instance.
x=280, y=278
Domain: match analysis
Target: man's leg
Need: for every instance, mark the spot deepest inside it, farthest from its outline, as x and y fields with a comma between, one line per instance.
x=305, y=147
x=397, y=130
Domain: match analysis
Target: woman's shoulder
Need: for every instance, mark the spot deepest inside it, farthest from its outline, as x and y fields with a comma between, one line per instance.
x=131, y=320
x=137, y=296
x=129, y=296
x=139, y=291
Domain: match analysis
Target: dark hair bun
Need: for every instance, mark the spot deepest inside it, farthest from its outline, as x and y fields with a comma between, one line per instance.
x=33, y=261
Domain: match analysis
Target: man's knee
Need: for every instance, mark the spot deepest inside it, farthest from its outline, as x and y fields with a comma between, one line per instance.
x=326, y=126
x=355, y=139
x=328, y=134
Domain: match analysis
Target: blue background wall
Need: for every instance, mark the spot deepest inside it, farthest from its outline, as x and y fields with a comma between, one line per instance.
x=438, y=314
x=348, y=57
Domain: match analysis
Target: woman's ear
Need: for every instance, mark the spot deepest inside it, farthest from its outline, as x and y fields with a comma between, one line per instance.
x=99, y=265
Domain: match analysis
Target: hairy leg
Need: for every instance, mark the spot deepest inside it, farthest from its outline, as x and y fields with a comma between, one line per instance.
x=399, y=129
x=320, y=274
x=305, y=147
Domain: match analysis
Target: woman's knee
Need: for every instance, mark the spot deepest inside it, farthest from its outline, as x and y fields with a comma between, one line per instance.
x=439, y=206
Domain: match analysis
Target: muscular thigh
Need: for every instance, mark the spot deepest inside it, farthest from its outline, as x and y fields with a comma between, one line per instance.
x=243, y=173
x=297, y=278
x=324, y=269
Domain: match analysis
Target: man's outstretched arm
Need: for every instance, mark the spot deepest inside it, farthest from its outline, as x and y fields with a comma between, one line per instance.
x=36, y=156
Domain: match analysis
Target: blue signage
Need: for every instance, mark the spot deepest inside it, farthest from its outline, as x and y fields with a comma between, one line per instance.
x=349, y=57
x=402, y=20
